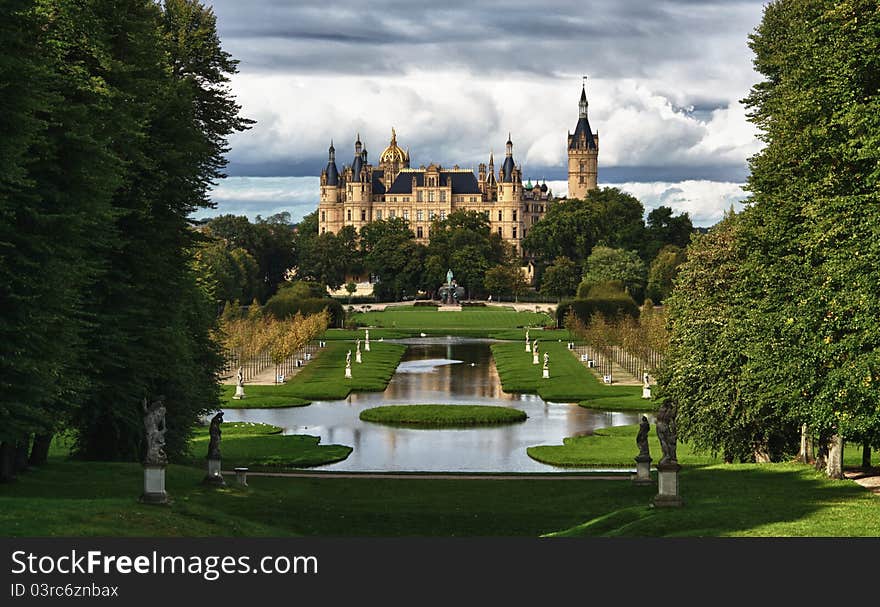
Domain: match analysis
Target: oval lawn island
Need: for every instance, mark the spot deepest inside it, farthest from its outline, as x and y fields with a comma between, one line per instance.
x=443, y=416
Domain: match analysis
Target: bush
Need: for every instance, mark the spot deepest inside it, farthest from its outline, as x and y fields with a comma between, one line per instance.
x=282, y=305
x=426, y=304
x=472, y=304
x=610, y=307
x=303, y=289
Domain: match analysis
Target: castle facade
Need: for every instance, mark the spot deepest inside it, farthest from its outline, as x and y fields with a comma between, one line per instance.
x=363, y=192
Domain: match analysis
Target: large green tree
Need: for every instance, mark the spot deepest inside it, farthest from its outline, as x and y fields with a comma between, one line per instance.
x=606, y=264
x=464, y=243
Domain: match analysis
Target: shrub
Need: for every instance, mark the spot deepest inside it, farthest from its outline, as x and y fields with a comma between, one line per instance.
x=426, y=304
x=282, y=305
x=609, y=307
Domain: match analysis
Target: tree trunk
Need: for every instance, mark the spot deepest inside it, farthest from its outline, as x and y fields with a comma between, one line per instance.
x=866, y=456
x=803, y=457
x=40, y=449
x=821, y=456
x=834, y=468
x=7, y=462
x=21, y=456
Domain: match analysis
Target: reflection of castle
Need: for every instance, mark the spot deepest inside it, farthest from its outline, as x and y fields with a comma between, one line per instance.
x=362, y=193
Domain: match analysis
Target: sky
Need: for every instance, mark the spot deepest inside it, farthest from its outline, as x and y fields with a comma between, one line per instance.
x=665, y=80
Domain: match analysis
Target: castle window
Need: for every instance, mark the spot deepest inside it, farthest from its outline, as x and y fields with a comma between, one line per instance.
x=514, y=232
x=499, y=219
x=580, y=179
x=419, y=196
x=442, y=195
x=499, y=231
x=514, y=215
x=406, y=214
x=323, y=216
x=420, y=215
x=432, y=215
x=363, y=214
x=392, y=214
x=582, y=167
x=420, y=232
x=394, y=199
x=379, y=215
x=431, y=196
x=323, y=230
x=486, y=214
x=349, y=214
x=442, y=215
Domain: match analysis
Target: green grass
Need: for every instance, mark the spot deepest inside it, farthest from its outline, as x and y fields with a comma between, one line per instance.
x=443, y=416
x=71, y=498
x=609, y=447
x=323, y=377
x=262, y=446
x=570, y=380
x=478, y=321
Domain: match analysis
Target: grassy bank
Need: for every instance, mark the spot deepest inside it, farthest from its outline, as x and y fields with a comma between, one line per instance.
x=609, y=447
x=261, y=446
x=430, y=319
x=440, y=416
x=323, y=377
x=99, y=499
x=570, y=380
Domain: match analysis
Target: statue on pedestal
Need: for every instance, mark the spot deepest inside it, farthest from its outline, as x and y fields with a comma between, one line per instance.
x=154, y=425
x=215, y=433
x=667, y=433
x=546, y=360
x=642, y=439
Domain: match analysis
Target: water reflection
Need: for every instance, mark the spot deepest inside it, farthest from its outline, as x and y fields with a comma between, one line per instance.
x=442, y=371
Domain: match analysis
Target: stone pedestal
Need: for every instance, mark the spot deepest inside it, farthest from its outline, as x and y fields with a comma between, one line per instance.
x=357, y=358
x=214, y=476
x=643, y=471
x=241, y=476
x=534, y=358
x=667, y=486
x=546, y=374
x=606, y=379
x=367, y=346
x=239, y=393
x=646, y=392
x=348, y=373
x=154, y=486
x=528, y=347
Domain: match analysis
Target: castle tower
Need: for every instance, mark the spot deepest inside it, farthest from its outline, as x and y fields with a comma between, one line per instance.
x=392, y=160
x=329, y=210
x=509, y=190
x=583, y=154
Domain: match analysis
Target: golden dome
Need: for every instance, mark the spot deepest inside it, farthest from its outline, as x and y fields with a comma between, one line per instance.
x=393, y=154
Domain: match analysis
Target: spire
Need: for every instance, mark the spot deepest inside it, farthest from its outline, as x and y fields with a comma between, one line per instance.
x=357, y=146
x=582, y=105
x=509, y=151
x=332, y=152
x=491, y=158
x=508, y=166
x=331, y=170
x=393, y=137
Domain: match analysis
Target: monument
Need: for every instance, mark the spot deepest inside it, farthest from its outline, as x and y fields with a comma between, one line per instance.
x=239, y=388
x=528, y=344
x=546, y=374
x=348, y=365
x=450, y=293
x=535, y=353
x=357, y=354
x=668, y=467
x=215, y=475
x=155, y=459
x=646, y=386
x=366, y=340
x=643, y=459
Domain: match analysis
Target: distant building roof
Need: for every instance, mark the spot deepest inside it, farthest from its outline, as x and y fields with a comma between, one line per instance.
x=462, y=182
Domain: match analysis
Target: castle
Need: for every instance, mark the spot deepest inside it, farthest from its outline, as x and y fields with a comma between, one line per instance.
x=362, y=192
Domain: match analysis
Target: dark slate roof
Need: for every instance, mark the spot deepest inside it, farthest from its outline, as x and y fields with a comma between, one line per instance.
x=583, y=128
x=464, y=182
x=356, y=165
x=332, y=174
x=507, y=170
x=378, y=188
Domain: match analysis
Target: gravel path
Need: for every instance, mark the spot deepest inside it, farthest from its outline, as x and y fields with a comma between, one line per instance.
x=623, y=475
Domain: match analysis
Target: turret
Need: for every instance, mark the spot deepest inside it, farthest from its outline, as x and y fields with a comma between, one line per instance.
x=583, y=153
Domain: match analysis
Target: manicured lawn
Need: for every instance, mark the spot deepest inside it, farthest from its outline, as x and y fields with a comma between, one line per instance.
x=430, y=320
x=324, y=377
x=570, y=380
x=609, y=447
x=440, y=416
x=261, y=446
x=99, y=499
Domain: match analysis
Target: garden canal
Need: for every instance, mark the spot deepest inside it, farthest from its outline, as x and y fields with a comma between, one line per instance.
x=439, y=371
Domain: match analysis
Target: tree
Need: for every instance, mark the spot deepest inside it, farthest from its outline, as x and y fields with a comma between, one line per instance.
x=605, y=264
x=561, y=278
x=664, y=230
x=663, y=271
x=505, y=280
x=463, y=242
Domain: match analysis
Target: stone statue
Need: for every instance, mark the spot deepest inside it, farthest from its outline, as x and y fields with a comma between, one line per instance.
x=154, y=425
x=535, y=345
x=667, y=433
x=449, y=276
x=348, y=360
x=546, y=360
x=646, y=380
x=358, y=344
x=240, y=377
x=642, y=439
x=214, y=431
x=527, y=336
